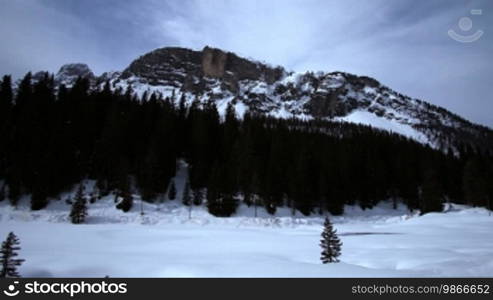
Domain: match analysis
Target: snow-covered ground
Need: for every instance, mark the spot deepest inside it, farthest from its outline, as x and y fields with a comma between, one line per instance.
x=165, y=243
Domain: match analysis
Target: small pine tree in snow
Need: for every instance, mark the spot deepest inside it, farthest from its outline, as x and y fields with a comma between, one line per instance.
x=126, y=194
x=94, y=196
x=186, y=198
x=172, y=191
x=79, y=208
x=8, y=262
x=330, y=243
x=198, y=196
x=127, y=201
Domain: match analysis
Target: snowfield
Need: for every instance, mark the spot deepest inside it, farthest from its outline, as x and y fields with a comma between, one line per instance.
x=367, y=118
x=381, y=242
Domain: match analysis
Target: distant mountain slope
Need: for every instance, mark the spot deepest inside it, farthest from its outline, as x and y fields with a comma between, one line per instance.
x=213, y=74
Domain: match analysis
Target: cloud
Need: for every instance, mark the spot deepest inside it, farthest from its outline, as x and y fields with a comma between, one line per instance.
x=43, y=35
x=35, y=36
x=281, y=32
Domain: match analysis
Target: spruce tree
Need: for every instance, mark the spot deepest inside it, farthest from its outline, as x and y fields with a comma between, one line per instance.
x=128, y=200
x=6, y=93
x=8, y=262
x=6, y=100
x=330, y=243
x=474, y=183
x=79, y=208
x=186, y=197
x=431, y=193
x=24, y=91
x=14, y=193
x=198, y=196
x=172, y=191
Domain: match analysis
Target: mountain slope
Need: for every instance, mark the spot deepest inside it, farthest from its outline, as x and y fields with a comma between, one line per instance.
x=213, y=74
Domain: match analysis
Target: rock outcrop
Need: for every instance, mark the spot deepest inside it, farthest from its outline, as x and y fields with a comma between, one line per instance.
x=69, y=73
x=187, y=69
x=214, y=62
x=166, y=66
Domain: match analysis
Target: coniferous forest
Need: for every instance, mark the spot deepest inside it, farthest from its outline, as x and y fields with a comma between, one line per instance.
x=53, y=137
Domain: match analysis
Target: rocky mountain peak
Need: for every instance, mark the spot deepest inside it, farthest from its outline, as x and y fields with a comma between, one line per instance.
x=220, y=64
x=188, y=69
x=69, y=73
x=77, y=69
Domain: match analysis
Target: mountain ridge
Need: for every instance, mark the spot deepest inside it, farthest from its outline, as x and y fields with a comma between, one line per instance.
x=223, y=77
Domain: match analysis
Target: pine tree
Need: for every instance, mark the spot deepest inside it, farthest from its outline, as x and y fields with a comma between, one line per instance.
x=198, y=196
x=431, y=193
x=14, y=193
x=172, y=191
x=6, y=99
x=6, y=94
x=94, y=195
x=128, y=200
x=24, y=92
x=186, y=198
x=79, y=208
x=474, y=183
x=330, y=243
x=8, y=262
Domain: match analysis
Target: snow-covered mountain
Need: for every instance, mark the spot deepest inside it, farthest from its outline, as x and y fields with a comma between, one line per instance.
x=213, y=74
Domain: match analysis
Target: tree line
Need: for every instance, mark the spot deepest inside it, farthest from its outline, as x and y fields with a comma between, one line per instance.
x=54, y=137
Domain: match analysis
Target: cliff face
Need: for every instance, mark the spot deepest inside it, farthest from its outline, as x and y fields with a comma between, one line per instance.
x=214, y=62
x=188, y=69
x=167, y=66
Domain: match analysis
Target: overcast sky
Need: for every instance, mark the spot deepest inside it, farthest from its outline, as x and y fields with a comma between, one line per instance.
x=402, y=43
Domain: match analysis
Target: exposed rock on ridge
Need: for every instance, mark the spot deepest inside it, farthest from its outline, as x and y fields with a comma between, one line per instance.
x=224, y=77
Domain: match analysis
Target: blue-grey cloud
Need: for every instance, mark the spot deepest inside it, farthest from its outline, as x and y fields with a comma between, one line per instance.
x=404, y=43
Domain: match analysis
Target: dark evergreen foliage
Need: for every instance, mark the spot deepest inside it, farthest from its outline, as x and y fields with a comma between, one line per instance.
x=330, y=243
x=8, y=253
x=198, y=196
x=172, y=191
x=126, y=196
x=2, y=193
x=478, y=182
x=186, y=197
x=78, y=213
x=53, y=137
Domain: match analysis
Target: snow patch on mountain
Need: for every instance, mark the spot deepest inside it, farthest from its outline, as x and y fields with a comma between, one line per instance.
x=370, y=119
